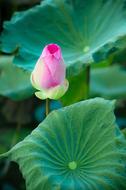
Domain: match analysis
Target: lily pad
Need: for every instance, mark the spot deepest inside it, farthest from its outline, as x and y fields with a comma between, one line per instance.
x=74, y=148
x=80, y=27
x=109, y=82
x=14, y=81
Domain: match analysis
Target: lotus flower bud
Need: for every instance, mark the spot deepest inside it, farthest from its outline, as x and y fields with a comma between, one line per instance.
x=48, y=76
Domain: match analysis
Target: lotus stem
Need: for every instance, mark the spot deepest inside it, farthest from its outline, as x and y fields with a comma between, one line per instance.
x=47, y=106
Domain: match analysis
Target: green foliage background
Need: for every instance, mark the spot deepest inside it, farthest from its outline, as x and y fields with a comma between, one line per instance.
x=91, y=33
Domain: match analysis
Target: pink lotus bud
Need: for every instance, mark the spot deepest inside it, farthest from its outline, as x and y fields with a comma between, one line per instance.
x=48, y=76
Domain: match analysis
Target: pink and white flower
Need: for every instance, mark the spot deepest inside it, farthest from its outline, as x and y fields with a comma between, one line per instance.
x=48, y=76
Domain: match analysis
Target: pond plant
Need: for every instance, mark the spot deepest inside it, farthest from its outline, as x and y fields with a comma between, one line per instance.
x=69, y=50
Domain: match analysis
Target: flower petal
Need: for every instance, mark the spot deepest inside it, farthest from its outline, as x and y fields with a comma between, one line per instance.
x=53, y=93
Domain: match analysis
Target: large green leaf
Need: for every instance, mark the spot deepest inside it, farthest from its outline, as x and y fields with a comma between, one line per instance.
x=74, y=149
x=14, y=82
x=109, y=82
x=80, y=27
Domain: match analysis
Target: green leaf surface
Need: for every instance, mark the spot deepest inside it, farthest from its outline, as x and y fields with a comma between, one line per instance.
x=14, y=81
x=109, y=82
x=74, y=149
x=80, y=27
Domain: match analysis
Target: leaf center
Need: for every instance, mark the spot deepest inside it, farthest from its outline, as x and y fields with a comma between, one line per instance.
x=72, y=165
x=86, y=49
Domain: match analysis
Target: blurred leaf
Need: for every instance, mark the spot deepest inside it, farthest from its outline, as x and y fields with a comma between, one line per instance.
x=108, y=82
x=120, y=57
x=16, y=112
x=77, y=89
x=7, y=135
x=111, y=49
x=124, y=132
x=74, y=148
x=79, y=27
x=14, y=82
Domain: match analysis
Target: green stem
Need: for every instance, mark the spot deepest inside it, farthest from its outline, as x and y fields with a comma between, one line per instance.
x=88, y=81
x=47, y=106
